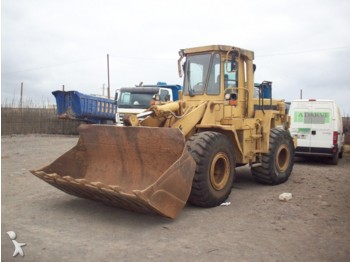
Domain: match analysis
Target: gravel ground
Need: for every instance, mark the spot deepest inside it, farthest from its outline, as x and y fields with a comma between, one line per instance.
x=256, y=226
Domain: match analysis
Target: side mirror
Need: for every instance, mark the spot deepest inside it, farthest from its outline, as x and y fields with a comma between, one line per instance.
x=233, y=61
x=116, y=97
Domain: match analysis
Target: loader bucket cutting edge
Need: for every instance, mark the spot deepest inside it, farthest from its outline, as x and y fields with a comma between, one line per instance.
x=142, y=169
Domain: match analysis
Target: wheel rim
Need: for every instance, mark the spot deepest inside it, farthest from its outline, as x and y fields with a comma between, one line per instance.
x=219, y=171
x=282, y=158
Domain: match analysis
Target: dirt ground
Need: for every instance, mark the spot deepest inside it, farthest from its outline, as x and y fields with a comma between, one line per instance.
x=256, y=226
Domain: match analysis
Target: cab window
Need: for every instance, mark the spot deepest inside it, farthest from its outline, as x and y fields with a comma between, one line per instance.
x=197, y=67
x=230, y=78
x=214, y=78
x=164, y=95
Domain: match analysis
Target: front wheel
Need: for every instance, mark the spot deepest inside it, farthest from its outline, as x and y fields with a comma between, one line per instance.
x=215, y=159
x=277, y=164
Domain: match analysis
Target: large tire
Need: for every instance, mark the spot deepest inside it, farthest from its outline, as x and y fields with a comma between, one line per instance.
x=277, y=164
x=214, y=175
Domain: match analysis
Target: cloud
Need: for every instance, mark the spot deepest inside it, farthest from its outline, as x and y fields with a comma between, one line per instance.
x=46, y=44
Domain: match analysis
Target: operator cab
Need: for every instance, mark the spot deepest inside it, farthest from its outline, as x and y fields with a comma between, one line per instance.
x=219, y=73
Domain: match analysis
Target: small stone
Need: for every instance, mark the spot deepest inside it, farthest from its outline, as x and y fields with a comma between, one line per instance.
x=285, y=197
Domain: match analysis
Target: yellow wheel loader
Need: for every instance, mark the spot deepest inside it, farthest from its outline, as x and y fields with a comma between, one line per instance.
x=185, y=150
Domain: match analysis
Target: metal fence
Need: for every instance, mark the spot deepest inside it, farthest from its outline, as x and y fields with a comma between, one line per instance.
x=45, y=121
x=35, y=121
x=346, y=124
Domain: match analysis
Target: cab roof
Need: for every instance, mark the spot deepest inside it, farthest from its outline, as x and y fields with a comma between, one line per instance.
x=222, y=48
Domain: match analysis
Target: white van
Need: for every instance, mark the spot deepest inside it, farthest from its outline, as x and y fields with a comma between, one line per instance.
x=318, y=125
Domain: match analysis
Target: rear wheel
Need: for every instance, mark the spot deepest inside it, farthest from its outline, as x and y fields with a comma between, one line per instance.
x=341, y=153
x=335, y=158
x=277, y=164
x=215, y=169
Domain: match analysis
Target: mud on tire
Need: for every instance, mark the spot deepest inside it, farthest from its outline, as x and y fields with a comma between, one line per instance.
x=215, y=169
x=278, y=163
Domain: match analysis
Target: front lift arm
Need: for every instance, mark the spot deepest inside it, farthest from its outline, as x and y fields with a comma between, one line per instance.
x=168, y=115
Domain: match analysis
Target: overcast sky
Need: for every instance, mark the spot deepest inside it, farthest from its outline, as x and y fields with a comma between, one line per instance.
x=46, y=44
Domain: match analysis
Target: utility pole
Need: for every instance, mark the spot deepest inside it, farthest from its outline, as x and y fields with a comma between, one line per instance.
x=301, y=93
x=103, y=90
x=109, y=85
x=63, y=88
x=21, y=99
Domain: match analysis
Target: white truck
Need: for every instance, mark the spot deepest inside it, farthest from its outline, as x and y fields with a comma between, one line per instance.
x=318, y=126
x=135, y=100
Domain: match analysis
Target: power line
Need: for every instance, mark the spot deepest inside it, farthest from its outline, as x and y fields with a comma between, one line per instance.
x=304, y=51
x=165, y=58
x=83, y=60
x=48, y=66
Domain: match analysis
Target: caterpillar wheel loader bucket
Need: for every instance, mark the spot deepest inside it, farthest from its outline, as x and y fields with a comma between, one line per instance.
x=141, y=169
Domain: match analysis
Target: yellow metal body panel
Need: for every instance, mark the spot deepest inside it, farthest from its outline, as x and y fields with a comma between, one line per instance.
x=247, y=123
x=221, y=48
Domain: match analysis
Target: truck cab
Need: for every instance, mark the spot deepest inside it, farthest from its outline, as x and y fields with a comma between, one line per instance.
x=135, y=100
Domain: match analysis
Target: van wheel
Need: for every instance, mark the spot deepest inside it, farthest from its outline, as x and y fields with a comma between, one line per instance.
x=341, y=154
x=214, y=175
x=335, y=159
x=277, y=164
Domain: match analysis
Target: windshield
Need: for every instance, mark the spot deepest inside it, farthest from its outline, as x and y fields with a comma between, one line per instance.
x=196, y=72
x=135, y=100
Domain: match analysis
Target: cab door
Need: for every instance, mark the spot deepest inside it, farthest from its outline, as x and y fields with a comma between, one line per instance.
x=320, y=118
x=300, y=127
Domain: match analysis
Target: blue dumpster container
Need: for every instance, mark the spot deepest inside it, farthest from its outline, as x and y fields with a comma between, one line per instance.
x=92, y=109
